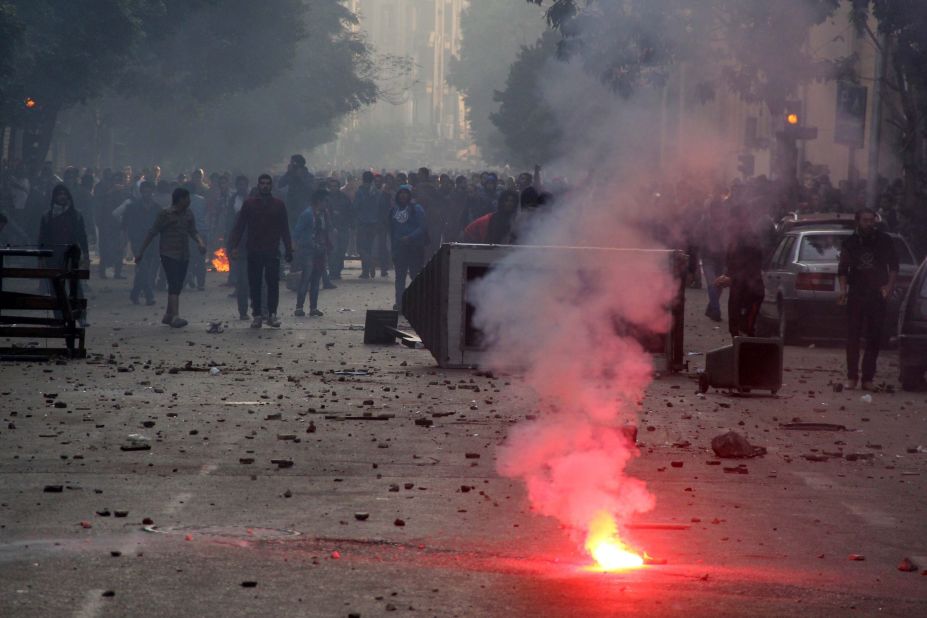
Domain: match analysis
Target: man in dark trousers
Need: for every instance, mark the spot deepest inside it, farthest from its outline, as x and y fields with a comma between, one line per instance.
x=407, y=233
x=743, y=274
x=139, y=216
x=264, y=218
x=867, y=272
x=367, y=209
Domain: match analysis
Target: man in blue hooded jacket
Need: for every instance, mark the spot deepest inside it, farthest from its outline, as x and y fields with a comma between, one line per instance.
x=408, y=237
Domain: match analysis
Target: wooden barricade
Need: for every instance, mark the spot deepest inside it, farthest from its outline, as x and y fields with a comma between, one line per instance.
x=63, y=299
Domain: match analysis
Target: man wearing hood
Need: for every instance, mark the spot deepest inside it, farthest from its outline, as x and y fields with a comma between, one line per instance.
x=867, y=271
x=62, y=226
x=407, y=234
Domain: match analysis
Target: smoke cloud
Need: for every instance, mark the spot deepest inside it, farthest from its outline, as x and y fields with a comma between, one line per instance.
x=565, y=320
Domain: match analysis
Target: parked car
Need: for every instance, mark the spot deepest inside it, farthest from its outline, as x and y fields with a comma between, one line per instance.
x=912, y=333
x=802, y=288
x=795, y=220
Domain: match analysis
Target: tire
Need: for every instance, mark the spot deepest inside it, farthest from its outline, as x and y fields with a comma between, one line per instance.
x=912, y=378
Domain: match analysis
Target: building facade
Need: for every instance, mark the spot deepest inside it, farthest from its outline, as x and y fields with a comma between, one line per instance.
x=420, y=120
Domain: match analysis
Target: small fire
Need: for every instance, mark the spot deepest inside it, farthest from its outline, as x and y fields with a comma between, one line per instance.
x=220, y=261
x=609, y=552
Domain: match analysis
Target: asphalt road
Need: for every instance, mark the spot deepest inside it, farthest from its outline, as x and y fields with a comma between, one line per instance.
x=773, y=541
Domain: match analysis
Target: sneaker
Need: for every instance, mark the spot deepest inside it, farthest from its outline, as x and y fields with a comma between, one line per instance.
x=850, y=384
x=178, y=323
x=272, y=321
x=167, y=319
x=316, y=313
x=330, y=286
x=257, y=322
x=243, y=317
x=299, y=313
x=868, y=386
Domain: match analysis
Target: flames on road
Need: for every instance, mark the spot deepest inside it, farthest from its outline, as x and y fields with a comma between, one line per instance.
x=220, y=261
x=607, y=549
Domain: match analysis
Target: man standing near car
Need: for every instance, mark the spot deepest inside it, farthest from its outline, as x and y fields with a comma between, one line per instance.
x=867, y=272
x=743, y=274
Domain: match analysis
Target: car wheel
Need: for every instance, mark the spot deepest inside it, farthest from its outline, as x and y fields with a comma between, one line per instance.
x=912, y=378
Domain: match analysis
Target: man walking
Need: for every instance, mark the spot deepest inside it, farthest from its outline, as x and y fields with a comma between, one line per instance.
x=867, y=272
x=139, y=216
x=313, y=244
x=264, y=218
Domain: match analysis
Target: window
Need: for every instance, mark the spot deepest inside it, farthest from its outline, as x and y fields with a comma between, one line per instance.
x=786, y=256
x=902, y=251
x=821, y=247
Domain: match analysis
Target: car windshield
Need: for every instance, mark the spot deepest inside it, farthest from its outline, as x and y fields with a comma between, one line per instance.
x=820, y=247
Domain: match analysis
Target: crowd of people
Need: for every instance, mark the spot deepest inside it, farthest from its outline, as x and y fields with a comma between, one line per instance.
x=393, y=221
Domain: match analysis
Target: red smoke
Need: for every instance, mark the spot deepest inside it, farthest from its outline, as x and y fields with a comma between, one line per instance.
x=559, y=319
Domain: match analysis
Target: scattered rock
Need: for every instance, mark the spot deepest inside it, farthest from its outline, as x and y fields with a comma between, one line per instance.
x=399, y=522
x=857, y=557
x=53, y=489
x=360, y=516
x=248, y=584
x=732, y=445
x=906, y=566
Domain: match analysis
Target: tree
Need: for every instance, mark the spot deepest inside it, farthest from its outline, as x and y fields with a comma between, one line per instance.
x=182, y=78
x=755, y=47
x=526, y=124
x=249, y=107
x=493, y=32
x=901, y=37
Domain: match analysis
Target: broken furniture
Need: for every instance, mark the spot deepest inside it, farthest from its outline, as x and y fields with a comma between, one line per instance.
x=63, y=299
x=748, y=364
x=438, y=301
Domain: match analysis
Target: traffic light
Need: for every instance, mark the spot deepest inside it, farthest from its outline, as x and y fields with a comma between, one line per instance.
x=792, y=123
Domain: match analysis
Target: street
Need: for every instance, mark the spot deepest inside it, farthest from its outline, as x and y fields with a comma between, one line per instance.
x=312, y=475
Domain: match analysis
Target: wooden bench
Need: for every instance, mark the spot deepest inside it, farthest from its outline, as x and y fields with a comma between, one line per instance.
x=63, y=300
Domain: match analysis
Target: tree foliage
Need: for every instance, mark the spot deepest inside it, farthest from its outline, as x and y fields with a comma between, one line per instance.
x=755, y=47
x=525, y=123
x=900, y=35
x=493, y=32
x=184, y=79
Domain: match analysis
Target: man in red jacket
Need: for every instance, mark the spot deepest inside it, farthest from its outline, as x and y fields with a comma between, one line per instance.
x=265, y=219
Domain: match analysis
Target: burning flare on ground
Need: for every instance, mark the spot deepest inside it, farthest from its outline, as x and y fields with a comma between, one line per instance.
x=220, y=261
x=607, y=549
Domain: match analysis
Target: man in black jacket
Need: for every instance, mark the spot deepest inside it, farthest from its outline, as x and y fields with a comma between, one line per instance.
x=743, y=274
x=867, y=271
